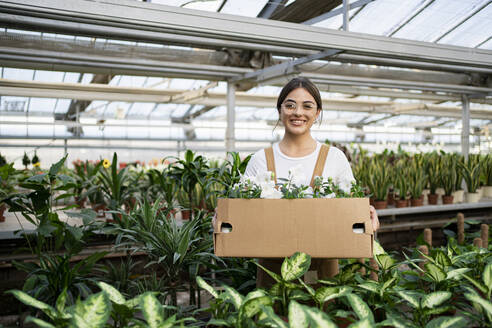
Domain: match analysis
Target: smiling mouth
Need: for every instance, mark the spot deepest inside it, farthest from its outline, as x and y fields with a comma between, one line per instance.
x=297, y=122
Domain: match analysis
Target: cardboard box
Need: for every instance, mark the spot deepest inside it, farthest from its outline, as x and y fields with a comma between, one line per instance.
x=322, y=228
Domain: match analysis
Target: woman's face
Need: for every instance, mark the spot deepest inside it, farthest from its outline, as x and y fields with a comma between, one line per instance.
x=298, y=112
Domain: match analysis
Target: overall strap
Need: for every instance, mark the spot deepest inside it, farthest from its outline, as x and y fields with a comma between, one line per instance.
x=270, y=162
x=320, y=163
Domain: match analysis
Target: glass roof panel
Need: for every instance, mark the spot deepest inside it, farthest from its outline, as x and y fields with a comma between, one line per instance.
x=13, y=104
x=48, y=76
x=18, y=74
x=244, y=8
x=41, y=105
x=436, y=19
x=472, y=32
x=375, y=18
x=487, y=45
x=62, y=106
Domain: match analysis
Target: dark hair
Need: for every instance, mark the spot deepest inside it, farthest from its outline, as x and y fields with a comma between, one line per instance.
x=299, y=82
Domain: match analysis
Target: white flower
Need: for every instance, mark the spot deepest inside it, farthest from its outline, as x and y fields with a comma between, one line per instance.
x=345, y=185
x=296, y=175
x=270, y=193
x=332, y=195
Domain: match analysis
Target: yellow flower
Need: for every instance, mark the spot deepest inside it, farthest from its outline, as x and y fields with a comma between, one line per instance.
x=106, y=163
x=37, y=164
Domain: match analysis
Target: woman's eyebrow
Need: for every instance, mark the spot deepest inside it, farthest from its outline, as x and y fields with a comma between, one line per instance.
x=292, y=100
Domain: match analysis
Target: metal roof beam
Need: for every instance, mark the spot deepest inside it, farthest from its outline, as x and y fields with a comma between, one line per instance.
x=336, y=12
x=144, y=22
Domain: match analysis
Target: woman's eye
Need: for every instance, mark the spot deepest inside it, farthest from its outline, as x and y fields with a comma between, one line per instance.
x=308, y=106
x=290, y=106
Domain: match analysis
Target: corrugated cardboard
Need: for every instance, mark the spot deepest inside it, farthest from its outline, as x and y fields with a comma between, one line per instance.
x=322, y=228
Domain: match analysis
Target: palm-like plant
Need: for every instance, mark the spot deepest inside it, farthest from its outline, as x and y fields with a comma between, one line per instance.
x=401, y=185
x=178, y=249
x=448, y=175
x=115, y=185
x=188, y=173
x=433, y=170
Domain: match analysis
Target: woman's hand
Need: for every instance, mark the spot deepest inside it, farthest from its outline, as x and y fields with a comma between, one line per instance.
x=374, y=218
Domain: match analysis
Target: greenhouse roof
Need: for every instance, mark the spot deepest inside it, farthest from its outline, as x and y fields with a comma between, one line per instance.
x=357, y=89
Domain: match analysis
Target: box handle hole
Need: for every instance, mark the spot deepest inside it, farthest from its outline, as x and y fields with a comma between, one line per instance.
x=358, y=228
x=225, y=227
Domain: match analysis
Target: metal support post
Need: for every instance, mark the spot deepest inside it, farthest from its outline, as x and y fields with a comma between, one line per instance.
x=65, y=146
x=230, y=131
x=465, y=131
x=345, y=15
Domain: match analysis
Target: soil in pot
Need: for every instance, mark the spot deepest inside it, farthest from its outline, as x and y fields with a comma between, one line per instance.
x=417, y=202
x=401, y=203
x=447, y=199
x=185, y=214
x=380, y=204
x=432, y=198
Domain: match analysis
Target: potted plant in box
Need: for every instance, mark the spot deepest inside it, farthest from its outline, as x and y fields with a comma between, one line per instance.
x=471, y=174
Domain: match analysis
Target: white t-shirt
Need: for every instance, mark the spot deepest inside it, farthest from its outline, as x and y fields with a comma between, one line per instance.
x=336, y=166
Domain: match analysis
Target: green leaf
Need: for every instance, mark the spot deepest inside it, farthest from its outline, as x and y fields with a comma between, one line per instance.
x=93, y=312
x=445, y=322
x=435, y=299
x=233, y=296
x=385, y=261
x=297, y=316
x=61, y=301
x=485, y=304
x=252, y=306
x=411, y=297
x=370, y=286
x=275, y=276
x=113, y=294
x=203, y=284
x=324, y=294
x=31, y=301
x=55, y=168
x=477, y=284
x=38, y=322
x=360, y=307
x=456, y=273
x=272, y=318
x=435, y=272
x=318, y=318
x=364, y=323
x=152, y=310
x=487, y=276
x=295, y=266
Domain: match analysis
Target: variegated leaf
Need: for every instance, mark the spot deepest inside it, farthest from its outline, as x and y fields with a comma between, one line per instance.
x=447, y=322
x=295, y=266
x=113, y=294
x=360, y=307
x=435, y=299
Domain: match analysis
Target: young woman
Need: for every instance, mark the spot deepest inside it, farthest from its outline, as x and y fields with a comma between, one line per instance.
x=299, y=107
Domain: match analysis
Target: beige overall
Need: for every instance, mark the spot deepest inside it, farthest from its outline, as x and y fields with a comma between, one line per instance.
x=325, y=268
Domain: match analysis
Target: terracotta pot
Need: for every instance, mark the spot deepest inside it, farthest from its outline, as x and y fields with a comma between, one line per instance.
x=185, y=214
x=371, y=201
x=432, y=198
x=472, y=197
x=417, y=202
x=401, y=203
x=447, y=199
x=3, y=207
x=380, y=204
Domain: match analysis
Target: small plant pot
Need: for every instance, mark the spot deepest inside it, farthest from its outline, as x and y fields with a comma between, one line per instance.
x=417, y=202
x=480, y=191
x=185, y=214
x=447, y=199
x=458, y=196
x=380, y=204
x=487, y=191
x=472, y=197
x=3, y=208
x=371, y=201
x=440, y=191
x=432, y=199
x=401, y=203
